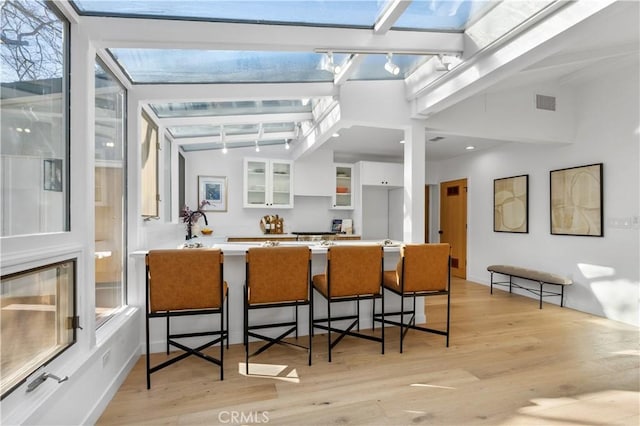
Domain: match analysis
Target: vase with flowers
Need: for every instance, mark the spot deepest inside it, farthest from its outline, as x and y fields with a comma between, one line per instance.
x=191, y=217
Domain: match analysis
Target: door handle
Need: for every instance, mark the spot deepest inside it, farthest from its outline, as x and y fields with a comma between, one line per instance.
x=441, y=232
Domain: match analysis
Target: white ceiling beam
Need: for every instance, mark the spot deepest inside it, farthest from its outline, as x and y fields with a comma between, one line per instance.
x=230, y=92
x=347, y=69
x=231, y=139
x=159, y=34
x=390, y=16
x=237, y=119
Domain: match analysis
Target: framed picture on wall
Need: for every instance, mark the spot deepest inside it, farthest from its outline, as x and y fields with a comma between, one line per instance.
x=212, y=193
x=511, y=204
x=576, y=201
x=52, y=174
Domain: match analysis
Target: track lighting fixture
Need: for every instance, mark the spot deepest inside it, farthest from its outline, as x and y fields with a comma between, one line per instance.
x=257, y=147
x=329, y=65
x=447, y=62
x=390, y=66
x=286, y=144
x=224, y=148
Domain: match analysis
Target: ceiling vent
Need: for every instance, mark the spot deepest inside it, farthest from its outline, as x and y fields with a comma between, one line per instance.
x=547, y=103
x=436, y=139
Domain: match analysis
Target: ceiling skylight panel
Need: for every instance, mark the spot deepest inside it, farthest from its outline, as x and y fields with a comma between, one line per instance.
x=443, y=15
x=373, y=67
x=229, y=108
x=194, y=131
x=339, y=13
x=220, y=66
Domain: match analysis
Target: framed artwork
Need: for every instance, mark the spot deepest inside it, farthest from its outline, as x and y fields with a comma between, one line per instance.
x=52, y=175
x=511, y=204
x=212, y=193
x=576, y=201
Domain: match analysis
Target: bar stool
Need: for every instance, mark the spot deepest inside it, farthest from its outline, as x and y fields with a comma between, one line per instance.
x=353, y=273
x=422, y=271
x=276, y=277
x=182, y=283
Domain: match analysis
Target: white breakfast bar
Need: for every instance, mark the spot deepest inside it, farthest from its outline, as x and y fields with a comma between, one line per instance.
x=234, y=274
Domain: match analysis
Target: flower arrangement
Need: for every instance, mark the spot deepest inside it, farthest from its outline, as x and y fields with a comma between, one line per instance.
x=191, y=217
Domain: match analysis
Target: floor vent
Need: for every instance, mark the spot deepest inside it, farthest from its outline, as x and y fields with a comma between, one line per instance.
x=546, y=102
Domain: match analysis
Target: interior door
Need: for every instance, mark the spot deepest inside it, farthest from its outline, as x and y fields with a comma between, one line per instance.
x=453, y=223
x=426, y=213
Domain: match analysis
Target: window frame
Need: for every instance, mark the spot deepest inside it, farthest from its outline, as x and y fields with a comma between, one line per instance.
x=74, y=316
x=145, y=117
x=125, y=197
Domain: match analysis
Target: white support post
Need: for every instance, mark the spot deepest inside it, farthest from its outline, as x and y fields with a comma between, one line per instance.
x=414, y=181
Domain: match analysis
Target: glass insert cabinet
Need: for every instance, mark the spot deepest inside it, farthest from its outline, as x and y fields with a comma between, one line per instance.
x=343, y=193
x=268, y=183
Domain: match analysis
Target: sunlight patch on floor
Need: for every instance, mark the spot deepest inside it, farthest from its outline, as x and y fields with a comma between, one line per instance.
x=270, y=371
x=425, y=385
x=606, y=407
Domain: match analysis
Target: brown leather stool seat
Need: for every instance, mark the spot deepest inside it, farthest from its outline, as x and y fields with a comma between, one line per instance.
x=184, y=283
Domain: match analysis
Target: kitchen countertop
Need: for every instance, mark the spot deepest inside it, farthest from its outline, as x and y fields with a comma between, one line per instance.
x=240, y=248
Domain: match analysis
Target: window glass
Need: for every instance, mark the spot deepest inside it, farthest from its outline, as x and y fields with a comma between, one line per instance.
x=149, y=178
x=36, y=316
x=34, y=153
x=110, y=193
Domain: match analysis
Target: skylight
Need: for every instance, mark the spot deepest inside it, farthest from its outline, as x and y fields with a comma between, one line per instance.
x=221, y=66
x=421, y=14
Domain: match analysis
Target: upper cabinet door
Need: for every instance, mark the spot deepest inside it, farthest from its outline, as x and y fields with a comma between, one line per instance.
x=343, y=193
x=268, y=183
x=281, y=180
x=381, y=174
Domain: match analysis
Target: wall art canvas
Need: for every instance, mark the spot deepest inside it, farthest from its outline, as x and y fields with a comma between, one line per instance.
x=212, y=193
x=511, y=204
x=576, y=201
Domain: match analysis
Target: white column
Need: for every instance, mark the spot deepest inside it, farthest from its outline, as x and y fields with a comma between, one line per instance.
x=414, y=181
x=82, y=134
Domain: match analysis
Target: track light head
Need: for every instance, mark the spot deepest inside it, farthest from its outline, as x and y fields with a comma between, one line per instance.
x=330, y=65
x=391, y=68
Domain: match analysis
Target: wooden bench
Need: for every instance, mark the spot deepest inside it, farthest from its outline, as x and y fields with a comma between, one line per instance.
x=540, y=277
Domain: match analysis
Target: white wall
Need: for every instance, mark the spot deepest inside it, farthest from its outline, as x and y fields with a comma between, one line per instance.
x=604, y=270
x=308, y=214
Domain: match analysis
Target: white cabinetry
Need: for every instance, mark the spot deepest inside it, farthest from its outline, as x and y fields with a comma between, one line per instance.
x=343, y=191
x=268, y=183
x=378, y=173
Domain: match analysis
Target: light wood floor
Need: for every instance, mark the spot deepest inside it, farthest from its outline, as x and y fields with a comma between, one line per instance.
x=508, y=363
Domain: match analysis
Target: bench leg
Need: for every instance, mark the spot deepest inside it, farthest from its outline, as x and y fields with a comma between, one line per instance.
x=491, y=283
x=562, y=297
x=510, y=282
x=541, y=289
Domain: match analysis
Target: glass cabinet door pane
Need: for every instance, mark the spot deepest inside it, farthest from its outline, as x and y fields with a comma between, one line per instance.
x=256, y=182
x=281, y=183
x=343, y=186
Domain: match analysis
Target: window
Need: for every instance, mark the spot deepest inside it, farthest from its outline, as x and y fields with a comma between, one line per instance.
x=149, y=138
x=34, y=154
x=110, y=193
x=37, y=318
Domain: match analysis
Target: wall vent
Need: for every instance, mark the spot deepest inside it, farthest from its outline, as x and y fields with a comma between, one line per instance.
x=547, y=103
x=436, y=138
